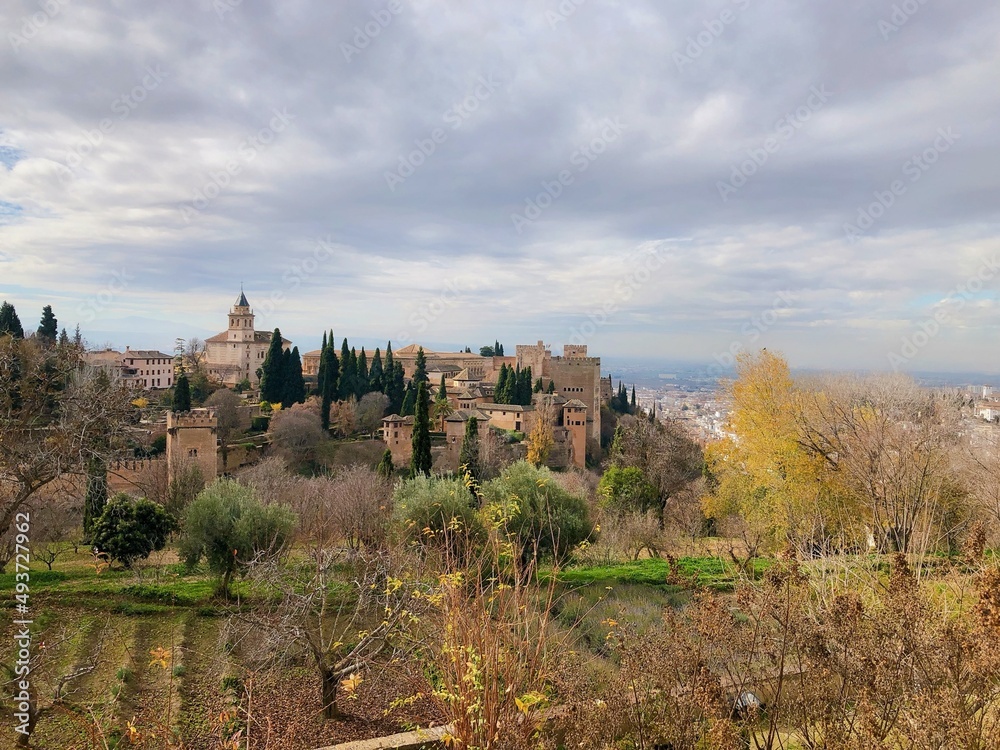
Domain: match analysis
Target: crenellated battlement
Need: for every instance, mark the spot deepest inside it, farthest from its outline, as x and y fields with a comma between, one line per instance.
x=203, y=418
x=578, y=361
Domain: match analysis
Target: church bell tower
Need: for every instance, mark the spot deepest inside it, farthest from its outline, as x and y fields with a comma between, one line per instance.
x=241, y=321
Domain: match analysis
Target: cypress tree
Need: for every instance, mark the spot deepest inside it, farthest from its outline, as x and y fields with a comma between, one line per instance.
x=634, y=405
x=468, y=458
x=385, y=467
x=524, y=387
x=496, y=348
x=420, y=458
x=182, y=394
x=500, y=347
x=375, y=379
x=539, y=387
x=294, y=385
x=9, y=322
x=388, y=368
x=420, y=367
x=330, y=384
x=552, y=387
x=63, y=338
x=409, y=399
x=272, y=373
x=321, y=373
x=362, y=374
x=97, y=494
x=48, y=328
x=396, y=388
x=347, y=385
x=501, y=386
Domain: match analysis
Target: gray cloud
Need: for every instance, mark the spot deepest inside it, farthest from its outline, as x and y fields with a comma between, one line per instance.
x=97, y=165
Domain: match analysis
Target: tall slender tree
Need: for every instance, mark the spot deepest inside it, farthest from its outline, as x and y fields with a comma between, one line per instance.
x=182, y=394
x=420, y=367
x=396, y=388
x=321, y=372
x=48, y=328
x=376, y=382
x=9, y=322
x=331, y=383
x=389, y=363
x=294, y=386
x=347, y=373
x=97, y=494
x=385, y=468
x=524, y=387
x=420, y=458
x=361, y=375
x=634, y=405
x=409, y=399
x=500, y=391
x=272, y=383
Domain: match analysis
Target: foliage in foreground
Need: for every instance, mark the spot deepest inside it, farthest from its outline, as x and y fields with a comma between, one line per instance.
x=130, y=529
x=228, y=526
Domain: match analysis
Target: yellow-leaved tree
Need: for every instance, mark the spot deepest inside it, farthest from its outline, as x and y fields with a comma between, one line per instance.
x=763, y=476
x=540, y=439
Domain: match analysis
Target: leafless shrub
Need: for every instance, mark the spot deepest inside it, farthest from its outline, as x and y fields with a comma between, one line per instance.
x=343, y=418
x=297, y=434
x=370, y=410
x=351, y=507
x=495, y=455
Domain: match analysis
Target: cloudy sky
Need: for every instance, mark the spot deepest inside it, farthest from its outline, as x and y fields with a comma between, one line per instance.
x=655, y=179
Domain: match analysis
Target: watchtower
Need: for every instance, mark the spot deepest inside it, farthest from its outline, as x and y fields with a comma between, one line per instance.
x=192, y=439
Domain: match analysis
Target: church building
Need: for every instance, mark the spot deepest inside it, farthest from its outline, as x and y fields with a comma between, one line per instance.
x=239, y=351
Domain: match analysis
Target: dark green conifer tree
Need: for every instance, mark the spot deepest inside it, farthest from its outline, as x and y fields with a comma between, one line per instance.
x=97, y=494
x=348, y=384
x=321, y=372
x=420, y=459
x=539, y=386
x=385, y=467
x=272, y=372
x=294, y=385
x=182, y=394
x=362, y=374
x=48, y=328
x=376, y=381
x=331, y=383
x=552, y=387
x=396, y=387
x=409, y=398
x=634, y=405
x=63, y=338
x=524, y=387
x=420, y=367
x=500, y=390
x=9, y=322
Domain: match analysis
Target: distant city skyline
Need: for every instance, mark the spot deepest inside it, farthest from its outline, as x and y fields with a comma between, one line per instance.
x=661, y=183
